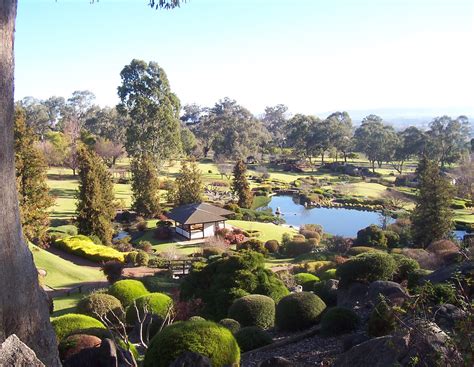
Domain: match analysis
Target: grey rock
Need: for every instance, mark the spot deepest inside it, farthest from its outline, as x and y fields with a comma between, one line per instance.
x=103, y=356
x=446, y=273
x=392, y=291
x=13, y=352
x=354, y=296
x=191, y=359
x=352, y=340
x=447, y=315
x=277, y=362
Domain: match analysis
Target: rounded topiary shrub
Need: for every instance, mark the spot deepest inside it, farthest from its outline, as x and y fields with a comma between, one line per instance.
x=253, y=310
x=203, y=337
x=196, y=318
x=272, y=246
x=306, y=280
x=100, y=304
x=327, y=293
x=252, y=337
x=338, y=320
x=73, y=344
x=328, y=274
x=298, y=311
x=405, y=266
x=127, y=290
x=372, y=236
x=231, y=324
x=74, y=323
x=157, y=304
x=367, y=267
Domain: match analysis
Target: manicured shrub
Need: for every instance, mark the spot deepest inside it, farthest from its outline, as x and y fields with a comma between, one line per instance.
x=326, y=293
x=253, y=245
x=338, y=244
x=84, y=247
x=393, y=238
x=415, y=277
x=298, y=311
x=306, y=280
x=157, y=304
x=313, y=267
x=144, y=246
x=113, y=270
x=357, y=250
x=231, y=324
x=131, y=257
x=339, y=320
x=142, y=258
x=75, y=323
x=372, y=236
x=100, y=304
x=253, y=310
x=252, y=337
x=328, y=274
x=207, y=252
x=203, y=337
x=73, y=344
x=405, y=266
x=196, y=318
x=299, y=247
x=127, y=291
x=367, y=267
x=272, y=246
x=310, y=234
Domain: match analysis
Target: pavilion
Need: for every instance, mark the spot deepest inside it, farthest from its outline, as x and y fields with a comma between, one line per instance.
x=200, y=220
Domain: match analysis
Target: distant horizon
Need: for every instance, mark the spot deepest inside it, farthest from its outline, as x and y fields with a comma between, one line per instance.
x=399, y=59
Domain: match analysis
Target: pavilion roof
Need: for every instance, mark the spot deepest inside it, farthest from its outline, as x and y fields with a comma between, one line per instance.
x=198, y=213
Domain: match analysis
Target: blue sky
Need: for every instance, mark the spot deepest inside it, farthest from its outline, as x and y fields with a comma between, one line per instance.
x=313, y=55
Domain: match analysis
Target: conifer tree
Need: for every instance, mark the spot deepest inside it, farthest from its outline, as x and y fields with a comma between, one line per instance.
x=145, y=187
x=96, y=201
x=432, y=216
x=188, y=184
x=33, y=192
x=240, y=185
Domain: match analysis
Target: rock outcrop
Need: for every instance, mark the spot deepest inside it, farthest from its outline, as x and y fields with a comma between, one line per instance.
x=13, y=352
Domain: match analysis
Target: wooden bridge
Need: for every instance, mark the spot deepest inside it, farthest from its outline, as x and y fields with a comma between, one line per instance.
x=180, y=268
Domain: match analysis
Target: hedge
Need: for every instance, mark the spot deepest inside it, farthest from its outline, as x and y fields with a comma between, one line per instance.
x=203, y=337
x=127, y=291
x=74, y=323
x=253, y=310
x=298, y=311
x=252, y=337
x=84, y=247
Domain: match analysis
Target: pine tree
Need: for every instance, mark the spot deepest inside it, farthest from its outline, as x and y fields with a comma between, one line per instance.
x=145, y=187
x=240, y=185
x=96, y=201
x=188, y=185
x=432, y=216
x=33, y=192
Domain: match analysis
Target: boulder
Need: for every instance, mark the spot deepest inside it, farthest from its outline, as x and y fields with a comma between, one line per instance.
x=103, y=356
x=73, y=344
x=191, y=359
x=392, y=291
x=423, y=342
x=447, y=315
x=448, y=272
x=352, y=340
x=13, y=352
x=277, y=362
x=353, y=296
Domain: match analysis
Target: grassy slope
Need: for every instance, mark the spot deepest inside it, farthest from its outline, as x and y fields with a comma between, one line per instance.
x=63, y=273
x=268, y=231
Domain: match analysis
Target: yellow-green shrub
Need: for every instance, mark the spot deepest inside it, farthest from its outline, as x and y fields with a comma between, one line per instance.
x=84, y=247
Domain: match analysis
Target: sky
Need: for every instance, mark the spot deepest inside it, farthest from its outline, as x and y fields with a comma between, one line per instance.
x=316, y=56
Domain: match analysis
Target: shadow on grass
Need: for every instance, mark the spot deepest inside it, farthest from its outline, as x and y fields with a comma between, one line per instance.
x=63, y=193
x=58, y=177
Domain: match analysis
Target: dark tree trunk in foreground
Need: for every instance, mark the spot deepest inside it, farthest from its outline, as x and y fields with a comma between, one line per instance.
x=23, y=304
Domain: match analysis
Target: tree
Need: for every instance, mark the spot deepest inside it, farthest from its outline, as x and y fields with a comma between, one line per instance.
x=432, y=216
x=240, y=185
x=23, y=304
x=108, y=124
x=188, y=184
x=340, y=128
x=376, y=140
x=300, y=135
x=275, y=121
x=146, y=98
x=188, y=141
x=95, y=197
x=109, y=151
x=448, y=139
x=33, y=191
x=145, y=187
x=37, y=116
x=411, y=143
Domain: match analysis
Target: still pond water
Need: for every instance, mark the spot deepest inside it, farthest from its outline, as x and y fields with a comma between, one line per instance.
x=337, y=221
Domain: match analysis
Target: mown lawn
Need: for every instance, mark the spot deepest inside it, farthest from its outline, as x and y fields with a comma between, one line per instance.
x=168, y=246
x=268, y=231
x=62, y=273
x=66, y=304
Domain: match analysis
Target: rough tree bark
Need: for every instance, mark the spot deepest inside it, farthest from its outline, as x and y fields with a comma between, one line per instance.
x=23, y=304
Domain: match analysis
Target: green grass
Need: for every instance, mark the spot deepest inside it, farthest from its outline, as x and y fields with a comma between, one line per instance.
x=66, y=304
x=260, y=201
x=268, y=231
x=168, y=246
x=62, y=273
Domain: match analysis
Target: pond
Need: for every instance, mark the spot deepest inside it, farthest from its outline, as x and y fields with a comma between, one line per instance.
x=337, y=221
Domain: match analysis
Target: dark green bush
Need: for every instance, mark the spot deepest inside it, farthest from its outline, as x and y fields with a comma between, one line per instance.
x=372, y=236
x=156, y=303
x=252, y=244
x=299, y=247
x=393, y=238
x=100, y=304
x=357, y=250
x=323, y=291
x=220, y=282
x=252, y=337
x=328, y=274
x=203, y=337
x=231, y=324
x=405, y=266
x=196, y=318
x=142, y=258
x=272, y=246
x=367, y=267
x=127, y=291
x=253, y=310
x=207, y=252
x=415, y=276
x=382, y=320
x=437, y=294
x=306, y=280
x=338, y=320
x=298, y=311
x=74, y=323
